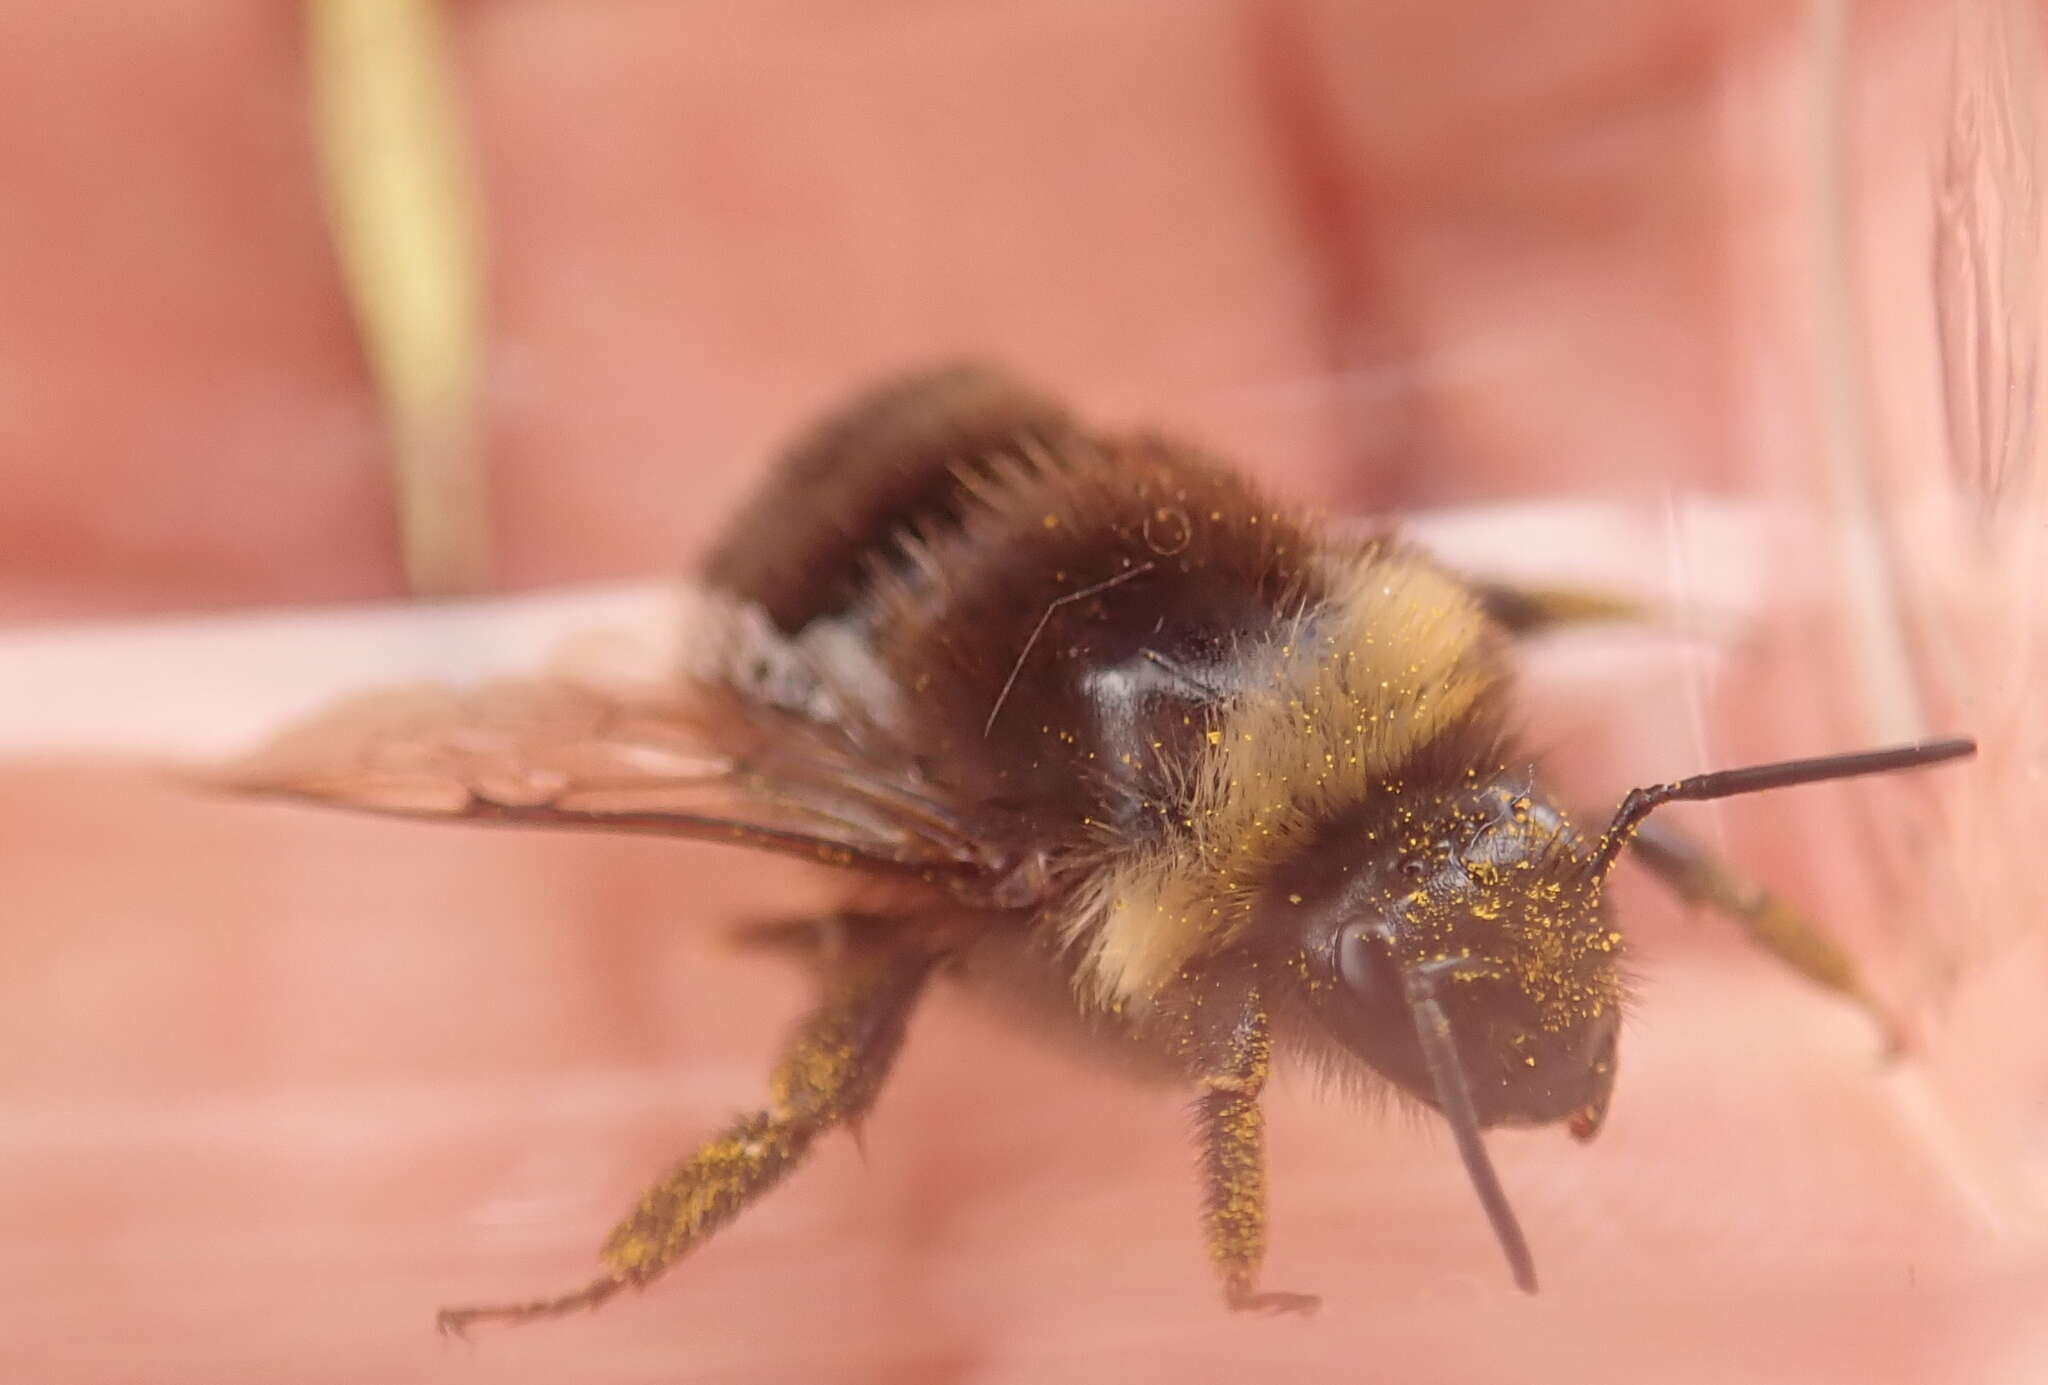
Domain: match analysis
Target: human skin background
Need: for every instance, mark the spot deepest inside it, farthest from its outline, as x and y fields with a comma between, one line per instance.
x=274, y=1085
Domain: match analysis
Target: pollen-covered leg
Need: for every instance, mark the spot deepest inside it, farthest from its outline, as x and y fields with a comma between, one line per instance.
x=829, y=1075
x=1232, y=1130
x=1702, y=879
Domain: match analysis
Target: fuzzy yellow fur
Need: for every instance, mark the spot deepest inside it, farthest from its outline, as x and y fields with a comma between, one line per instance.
x=1397, y=653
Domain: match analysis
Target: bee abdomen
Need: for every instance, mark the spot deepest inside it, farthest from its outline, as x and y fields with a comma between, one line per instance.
x=895, y=461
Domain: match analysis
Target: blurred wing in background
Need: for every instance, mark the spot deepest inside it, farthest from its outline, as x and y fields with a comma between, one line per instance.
x=553, y=753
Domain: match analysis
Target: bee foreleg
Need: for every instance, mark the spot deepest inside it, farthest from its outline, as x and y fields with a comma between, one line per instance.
x=1701, y=878
x=1232, y=1131
x=829, y=1075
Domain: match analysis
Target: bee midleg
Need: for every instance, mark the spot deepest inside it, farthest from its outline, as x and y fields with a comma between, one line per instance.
x=829, y=1074
x=1701, y=878
x=1532, y=610
x=1232, y=1131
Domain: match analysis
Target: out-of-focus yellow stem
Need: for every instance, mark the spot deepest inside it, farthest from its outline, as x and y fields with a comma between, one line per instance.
x=402, y=205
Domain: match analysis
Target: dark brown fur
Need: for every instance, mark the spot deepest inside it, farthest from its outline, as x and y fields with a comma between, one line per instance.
x=893, y=460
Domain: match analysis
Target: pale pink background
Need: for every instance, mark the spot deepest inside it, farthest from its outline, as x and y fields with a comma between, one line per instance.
x=275, y=1085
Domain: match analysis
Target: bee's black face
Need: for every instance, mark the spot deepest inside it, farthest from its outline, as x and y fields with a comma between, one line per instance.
x=1518, y=1071
x=1485, y=915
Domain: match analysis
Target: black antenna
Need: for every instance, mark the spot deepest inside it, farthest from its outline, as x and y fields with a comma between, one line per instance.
x=1782, y=774
x=1454, y=1099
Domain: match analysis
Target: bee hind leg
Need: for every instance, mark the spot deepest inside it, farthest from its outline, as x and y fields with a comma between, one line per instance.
x=1702, y=879
x=1524, y=611
x=818, y=940
x=829, y=1075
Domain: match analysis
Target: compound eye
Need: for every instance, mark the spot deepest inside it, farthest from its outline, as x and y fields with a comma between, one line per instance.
x=1366, y=965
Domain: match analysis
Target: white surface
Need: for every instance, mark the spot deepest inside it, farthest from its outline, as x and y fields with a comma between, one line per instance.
x=204, y=686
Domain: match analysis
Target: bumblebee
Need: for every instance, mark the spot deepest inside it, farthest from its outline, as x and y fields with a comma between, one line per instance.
x=1087, y=717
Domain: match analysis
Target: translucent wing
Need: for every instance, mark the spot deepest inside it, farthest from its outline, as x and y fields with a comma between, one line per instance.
x=549, y=753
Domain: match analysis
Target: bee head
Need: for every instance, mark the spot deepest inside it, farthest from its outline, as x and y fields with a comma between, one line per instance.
x=1456, y=942
x=1476, y=907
